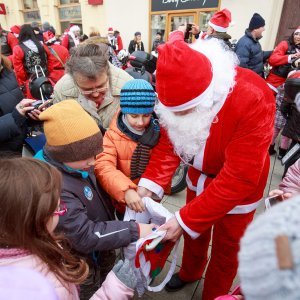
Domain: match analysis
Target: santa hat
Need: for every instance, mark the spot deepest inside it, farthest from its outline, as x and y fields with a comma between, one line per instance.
x=15, y=29
x=297, y=29
x=184, y=75
x=49, y=37
x=220, y=20
x=110, y=30
x=74, y=28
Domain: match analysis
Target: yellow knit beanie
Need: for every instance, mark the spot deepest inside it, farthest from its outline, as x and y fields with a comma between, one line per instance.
x=71, y=134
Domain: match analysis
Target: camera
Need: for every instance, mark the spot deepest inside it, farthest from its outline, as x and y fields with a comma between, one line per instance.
x=187, y=32
x=273, y=200
x=40, y=105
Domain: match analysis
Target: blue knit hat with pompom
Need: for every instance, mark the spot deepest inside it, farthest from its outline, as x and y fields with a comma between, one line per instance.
x=137, y=97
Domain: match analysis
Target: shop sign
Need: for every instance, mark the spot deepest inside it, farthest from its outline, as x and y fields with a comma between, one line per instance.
x=69, y=13
x=2, y=9
x=31, y=16
x=95, y=2
x=164, y=5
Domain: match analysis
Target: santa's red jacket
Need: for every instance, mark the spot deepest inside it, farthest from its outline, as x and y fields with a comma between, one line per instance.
x=230, y=173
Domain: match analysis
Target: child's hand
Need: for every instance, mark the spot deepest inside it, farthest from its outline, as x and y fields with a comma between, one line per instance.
x=125, y=273
x=146, y=229
x=134, y=201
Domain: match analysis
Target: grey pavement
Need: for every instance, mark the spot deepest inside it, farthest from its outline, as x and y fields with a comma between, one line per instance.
x=173, y=203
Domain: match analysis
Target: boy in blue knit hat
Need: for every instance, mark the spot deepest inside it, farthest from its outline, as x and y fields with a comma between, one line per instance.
x=127, y=145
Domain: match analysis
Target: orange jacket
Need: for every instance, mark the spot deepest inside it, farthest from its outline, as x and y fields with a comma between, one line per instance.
x=112, y=166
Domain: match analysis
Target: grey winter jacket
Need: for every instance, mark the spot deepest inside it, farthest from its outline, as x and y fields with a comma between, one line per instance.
x=89, y=221
x=250, y=54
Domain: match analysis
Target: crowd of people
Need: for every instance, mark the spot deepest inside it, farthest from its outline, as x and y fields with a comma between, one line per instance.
x=112, y=140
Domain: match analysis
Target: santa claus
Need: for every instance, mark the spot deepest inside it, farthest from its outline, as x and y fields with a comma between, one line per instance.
x=218, y=118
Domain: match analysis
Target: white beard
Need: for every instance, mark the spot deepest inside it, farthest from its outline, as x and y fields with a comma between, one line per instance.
x=188, y=132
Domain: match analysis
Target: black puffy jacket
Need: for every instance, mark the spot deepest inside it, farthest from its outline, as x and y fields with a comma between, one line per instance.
x=250, y=54
x=12, y=125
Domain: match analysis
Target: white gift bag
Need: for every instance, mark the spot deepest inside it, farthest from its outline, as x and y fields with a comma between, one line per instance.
x=157, y=214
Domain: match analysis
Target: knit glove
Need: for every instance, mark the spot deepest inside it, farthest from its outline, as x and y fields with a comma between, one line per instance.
x=125, y=273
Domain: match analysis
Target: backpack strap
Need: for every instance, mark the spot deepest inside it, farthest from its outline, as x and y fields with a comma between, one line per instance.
x=56, y=56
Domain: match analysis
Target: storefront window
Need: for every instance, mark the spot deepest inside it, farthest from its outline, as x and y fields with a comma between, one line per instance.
x=32, y=16
x=64, y=2
x=69, y=13
x=158, y=24
x=30, y=4
x=31, y=11
x=204, y=17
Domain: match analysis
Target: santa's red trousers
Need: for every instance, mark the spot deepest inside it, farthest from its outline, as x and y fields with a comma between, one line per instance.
x=223, y=263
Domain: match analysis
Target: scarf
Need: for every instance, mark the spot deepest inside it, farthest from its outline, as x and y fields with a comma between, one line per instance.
x=13, y=253
x=145, y=143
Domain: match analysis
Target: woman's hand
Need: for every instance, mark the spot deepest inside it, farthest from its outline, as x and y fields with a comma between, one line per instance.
x=134, y=201
x=25, y=106
x=279, y=193
x=195, y=29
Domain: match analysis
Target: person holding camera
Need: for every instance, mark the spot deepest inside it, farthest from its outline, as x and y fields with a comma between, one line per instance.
x=285, y=53
x=217, y=27
x=14, y=110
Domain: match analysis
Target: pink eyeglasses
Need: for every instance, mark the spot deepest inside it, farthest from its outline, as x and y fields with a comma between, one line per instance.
x=62, y=209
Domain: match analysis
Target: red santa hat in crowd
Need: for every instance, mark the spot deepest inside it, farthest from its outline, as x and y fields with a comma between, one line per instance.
x=49, y=37
x=220, y=20
x=184, y=76
x=15, y=29
x=110, y=30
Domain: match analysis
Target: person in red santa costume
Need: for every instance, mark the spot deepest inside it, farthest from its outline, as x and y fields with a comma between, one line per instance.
x=219, y=118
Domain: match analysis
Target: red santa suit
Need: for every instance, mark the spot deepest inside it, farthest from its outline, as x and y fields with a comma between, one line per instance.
x=228, y=176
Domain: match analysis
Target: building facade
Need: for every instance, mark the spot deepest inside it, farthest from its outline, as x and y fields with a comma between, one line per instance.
x=145, y=16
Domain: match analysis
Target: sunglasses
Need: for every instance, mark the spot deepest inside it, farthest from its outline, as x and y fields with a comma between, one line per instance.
x=61, y=210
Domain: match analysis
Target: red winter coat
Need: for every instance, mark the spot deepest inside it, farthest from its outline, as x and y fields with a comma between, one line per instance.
x=21, y=74
x=279, y=57
x=230, y=173
x=55, y=68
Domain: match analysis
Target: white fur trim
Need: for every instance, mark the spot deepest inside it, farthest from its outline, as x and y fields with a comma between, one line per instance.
x=244, y=209
x=193, y=234
x=200, y=184
x=273, y=88
x=190, y=184
x=217, y=28
x=74, y=28
x=152, y=186
x=193, y=103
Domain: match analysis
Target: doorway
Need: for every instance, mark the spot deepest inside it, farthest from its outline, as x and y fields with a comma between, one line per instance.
x=175, y=20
